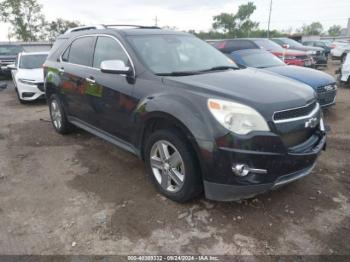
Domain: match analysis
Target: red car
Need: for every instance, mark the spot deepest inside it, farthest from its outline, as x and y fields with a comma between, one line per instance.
x=290, y=57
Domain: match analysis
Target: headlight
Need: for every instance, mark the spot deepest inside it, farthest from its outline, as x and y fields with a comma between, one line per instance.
x=27, y=81
x=237, y=118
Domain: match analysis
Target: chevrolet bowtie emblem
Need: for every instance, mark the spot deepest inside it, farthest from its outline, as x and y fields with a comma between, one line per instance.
x=311, y=123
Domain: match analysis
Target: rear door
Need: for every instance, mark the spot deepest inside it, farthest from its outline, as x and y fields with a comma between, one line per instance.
x=110, y=95
x=75, y=69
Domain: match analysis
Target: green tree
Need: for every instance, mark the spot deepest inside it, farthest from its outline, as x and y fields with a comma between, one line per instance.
x=334, y=30
x=58, y=27
x=25, y=18
x=314, y=28
x=239, y=24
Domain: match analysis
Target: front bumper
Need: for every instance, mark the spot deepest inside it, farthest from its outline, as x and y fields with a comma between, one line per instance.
x=30, y=92
x=282, y=168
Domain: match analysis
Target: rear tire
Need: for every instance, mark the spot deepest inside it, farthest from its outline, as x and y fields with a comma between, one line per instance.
x=174, y=171
x=58, y=117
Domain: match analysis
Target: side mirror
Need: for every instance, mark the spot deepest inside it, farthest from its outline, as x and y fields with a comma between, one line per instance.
x=11, y=67
x=286, y=46
x=114, y=67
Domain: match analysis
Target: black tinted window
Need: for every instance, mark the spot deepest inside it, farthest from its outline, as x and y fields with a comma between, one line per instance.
x=108, y=48
x=81, y=51
x=234, y=45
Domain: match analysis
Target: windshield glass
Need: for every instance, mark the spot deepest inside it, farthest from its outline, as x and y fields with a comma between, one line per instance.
x=10, y=50
x=291, y=42
x=32, y=61
x=165, y=54
x=261, y=60
x=268, y=45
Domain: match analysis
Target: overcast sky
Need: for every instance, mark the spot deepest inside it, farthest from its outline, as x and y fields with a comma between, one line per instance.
x=194, y=14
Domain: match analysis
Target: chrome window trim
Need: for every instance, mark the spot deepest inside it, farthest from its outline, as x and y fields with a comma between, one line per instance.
x=98, y=35
x=312, y=113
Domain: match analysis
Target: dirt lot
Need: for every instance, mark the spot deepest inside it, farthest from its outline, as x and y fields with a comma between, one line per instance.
x=77, y=194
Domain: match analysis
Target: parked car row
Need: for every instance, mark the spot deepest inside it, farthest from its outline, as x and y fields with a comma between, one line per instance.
x=267, y=55
x=233, y=124
x=317, y=53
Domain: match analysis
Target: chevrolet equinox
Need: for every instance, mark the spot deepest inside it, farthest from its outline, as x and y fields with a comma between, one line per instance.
x=197, y=121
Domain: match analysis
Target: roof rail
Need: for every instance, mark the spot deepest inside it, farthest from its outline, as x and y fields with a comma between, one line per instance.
x=83, y=28
x=135, y=26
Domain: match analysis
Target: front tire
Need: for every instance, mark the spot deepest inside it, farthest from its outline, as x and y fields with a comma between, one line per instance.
x=172, y=165
x=58, y=116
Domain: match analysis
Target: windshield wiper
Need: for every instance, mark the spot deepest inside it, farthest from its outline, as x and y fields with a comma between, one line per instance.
x=179, y=73
x=218, y=68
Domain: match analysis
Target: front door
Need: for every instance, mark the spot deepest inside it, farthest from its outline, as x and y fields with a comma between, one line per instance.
x=110, y=95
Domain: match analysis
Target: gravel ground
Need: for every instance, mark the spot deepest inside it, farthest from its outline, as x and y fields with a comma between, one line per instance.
x=77, y=194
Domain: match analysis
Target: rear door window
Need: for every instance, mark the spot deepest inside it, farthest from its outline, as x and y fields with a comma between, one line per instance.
x=81, y=51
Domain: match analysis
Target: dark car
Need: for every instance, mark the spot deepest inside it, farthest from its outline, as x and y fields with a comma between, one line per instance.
x=196, y=119
x=8, y=56
x=322, y=83
x=290, y=57
x=317, y=53
x=322, y=44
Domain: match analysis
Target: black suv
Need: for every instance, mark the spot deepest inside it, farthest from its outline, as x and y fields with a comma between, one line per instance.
x=196, y=119
x=8, y=56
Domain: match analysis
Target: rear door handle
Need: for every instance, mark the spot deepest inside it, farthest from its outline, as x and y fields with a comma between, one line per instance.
x=90, y=80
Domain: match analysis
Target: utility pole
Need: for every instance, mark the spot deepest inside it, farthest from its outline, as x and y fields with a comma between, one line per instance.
x=156, y=21
x=268, y=26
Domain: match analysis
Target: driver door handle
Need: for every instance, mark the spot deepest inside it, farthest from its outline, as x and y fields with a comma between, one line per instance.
x=90, y=80
x=61, y=70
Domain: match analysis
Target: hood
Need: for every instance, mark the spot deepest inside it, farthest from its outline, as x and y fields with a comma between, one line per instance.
x=290, y=52
x=31, y=74
x=308, y=48
x=311, y=77
x=266, y=92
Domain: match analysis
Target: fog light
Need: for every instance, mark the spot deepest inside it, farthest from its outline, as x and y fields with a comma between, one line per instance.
x=243, y=170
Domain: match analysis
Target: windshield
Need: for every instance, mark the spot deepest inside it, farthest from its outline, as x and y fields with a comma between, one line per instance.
x=261, y=60
x=268, y=45
x=32, y=61
x=166, y=54
x=291, y=42
x=10, y=50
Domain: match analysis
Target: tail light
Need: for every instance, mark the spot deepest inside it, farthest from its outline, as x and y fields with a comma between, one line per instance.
x=221, y=45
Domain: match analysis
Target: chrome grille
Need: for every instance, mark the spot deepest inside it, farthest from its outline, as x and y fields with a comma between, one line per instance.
x=299, y=112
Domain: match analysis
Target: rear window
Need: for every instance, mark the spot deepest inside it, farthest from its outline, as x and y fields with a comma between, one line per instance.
x=229, y=46
x=81, y=51
x=58, y=43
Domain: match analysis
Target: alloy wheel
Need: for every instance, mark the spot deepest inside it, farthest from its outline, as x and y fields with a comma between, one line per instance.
x=56, y=115
x=167, y=166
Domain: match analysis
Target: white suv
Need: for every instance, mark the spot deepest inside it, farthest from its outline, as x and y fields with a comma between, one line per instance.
x=339, y=51
x=28, y=76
